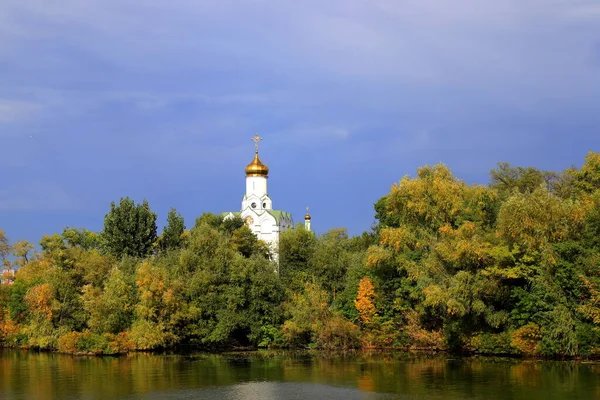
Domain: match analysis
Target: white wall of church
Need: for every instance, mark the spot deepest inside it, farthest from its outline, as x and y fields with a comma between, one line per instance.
x=256, y=185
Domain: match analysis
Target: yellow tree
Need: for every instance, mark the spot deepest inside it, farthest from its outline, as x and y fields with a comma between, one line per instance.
x=41, y=305
x=365, y=300
x=431, y=200
x=587, y=179
x=535, y=220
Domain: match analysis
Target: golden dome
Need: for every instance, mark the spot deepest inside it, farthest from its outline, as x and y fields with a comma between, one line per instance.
x=307, y=216
x=257, y=168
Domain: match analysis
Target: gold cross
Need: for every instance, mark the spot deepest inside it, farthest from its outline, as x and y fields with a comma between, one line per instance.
x=307, y=210
x=256, y=139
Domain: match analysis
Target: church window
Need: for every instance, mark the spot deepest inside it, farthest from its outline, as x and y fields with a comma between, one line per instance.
x=264, y=205
x=253, y=205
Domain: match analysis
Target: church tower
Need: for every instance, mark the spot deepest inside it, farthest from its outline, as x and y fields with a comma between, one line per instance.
x=257, y=207
x=257, y=175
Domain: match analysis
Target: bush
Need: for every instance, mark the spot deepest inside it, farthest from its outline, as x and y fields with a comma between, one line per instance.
x=527, y=339
x=384, y=335
x=149, y=336
x=68, y=343
x=271, y=337
x=92, y=343
x=492, y=343
x=338, y=334
x=558, y=334
x=588, y=337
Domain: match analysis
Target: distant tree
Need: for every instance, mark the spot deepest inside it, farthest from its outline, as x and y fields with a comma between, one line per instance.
x=83, y=238
x=506, y=178
x=5, y=248
x=211, y=219
x=228, y=225
x=129, y=229
x=587, y=179
x=21, y=250
x=171, y=237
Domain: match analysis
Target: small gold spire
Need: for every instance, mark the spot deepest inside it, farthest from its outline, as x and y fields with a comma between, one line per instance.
x=307, y=216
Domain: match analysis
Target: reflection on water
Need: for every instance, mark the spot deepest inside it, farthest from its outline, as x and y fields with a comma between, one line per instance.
x=272, y=391
x=281, y=375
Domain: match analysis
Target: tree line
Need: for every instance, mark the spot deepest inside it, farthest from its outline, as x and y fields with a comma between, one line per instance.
x=512, y=267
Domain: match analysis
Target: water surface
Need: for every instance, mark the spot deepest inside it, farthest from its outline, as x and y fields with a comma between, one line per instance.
x=272, y=375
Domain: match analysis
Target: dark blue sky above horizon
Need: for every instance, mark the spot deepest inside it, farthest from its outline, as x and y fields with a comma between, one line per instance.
x=158, y=100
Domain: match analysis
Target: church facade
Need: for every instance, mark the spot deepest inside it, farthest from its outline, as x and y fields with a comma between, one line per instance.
x=257, y=207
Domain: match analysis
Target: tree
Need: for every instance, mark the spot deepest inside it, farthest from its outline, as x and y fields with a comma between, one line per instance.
x=505, y=178
x=587, y=179
x=313, y=321
x=246, y=242
x=364, y=302
x=5, y=248
x=171, y=237
x=110, y=310
x=535, y=219
x=129, y=229
x=330, y=259
x=382, y=214
x=295, y=250
x=21, y=250
x=81, y=238
x=431, y=200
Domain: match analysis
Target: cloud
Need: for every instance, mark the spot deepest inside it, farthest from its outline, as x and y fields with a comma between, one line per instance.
x=14, y=110
x=408, y=42
x=124, y=96
x=404, y=39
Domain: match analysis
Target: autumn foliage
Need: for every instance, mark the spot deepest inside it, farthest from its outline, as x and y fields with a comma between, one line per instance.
x=512, y=267
x=364, y=302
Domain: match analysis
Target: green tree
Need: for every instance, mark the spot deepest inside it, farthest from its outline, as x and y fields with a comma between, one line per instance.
x=330, y=259
x=82, y=238
x=172, y=235
x=246, y=242
x=506, y=179
x=386, y=218
x=295, y=250
x=110, y=310
x=129, y=229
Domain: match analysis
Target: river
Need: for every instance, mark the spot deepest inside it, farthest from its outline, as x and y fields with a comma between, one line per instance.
x=291, y=376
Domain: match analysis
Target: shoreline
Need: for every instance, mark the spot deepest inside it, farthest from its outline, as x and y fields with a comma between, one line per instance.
x=313, y=352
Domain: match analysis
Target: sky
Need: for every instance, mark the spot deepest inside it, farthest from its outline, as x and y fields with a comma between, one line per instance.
x=158, y=100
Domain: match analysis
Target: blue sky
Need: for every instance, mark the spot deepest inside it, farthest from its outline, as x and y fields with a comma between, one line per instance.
x=158, y=99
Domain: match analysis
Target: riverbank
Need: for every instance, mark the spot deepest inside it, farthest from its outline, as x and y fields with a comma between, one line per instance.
x=116, y=345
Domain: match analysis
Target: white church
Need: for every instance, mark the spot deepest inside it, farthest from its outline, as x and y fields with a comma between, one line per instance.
x=257, y=207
